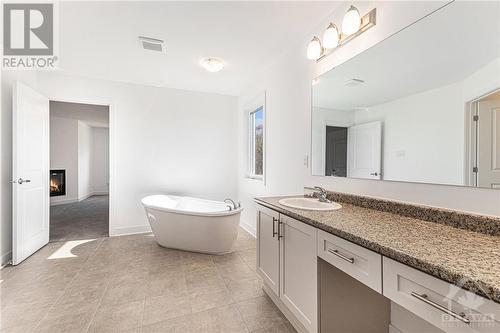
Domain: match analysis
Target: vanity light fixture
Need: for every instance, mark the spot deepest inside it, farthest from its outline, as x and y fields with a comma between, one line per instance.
x=314, y=49
x=331, y=37
x=353, y=25
x=212, y=64
x=351, y=22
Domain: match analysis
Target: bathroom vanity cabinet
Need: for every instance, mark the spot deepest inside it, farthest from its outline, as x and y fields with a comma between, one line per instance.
x=325, y=283
x=287, y=262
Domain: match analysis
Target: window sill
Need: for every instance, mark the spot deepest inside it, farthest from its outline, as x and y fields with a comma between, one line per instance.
x=255, y=177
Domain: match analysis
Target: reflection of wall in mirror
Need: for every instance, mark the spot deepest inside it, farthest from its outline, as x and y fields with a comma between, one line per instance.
x=424, y=133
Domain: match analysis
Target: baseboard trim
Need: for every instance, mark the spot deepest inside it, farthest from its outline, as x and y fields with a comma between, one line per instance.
x=100, y=193
x=6, y=259
x=394, y=329
x=63, y=202
x=136, y=229
x=248, y=228
x=284, y=310
x=86, y=196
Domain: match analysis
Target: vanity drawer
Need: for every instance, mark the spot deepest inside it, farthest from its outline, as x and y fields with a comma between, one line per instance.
x=442, y=304
x=360, y=263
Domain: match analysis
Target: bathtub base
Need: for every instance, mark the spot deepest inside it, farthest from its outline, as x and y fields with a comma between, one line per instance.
x=202, y=234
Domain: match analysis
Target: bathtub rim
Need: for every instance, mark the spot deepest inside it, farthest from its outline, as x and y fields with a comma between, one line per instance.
x=189, y=212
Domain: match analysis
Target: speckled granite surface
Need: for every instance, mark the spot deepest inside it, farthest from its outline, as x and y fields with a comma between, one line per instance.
x=468, y=259
x=479, y=223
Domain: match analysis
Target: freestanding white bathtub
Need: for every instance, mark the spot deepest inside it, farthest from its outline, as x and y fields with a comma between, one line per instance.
x=192, y=224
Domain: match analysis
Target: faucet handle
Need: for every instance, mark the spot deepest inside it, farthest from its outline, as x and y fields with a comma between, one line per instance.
x=321, y=189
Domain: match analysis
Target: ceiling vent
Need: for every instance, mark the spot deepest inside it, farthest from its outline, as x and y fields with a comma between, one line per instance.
x=152, y=44
x=354, y=82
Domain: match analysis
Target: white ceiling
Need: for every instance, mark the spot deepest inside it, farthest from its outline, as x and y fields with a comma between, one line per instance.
x=93, y=115
x=443, y=48
x=99, y=39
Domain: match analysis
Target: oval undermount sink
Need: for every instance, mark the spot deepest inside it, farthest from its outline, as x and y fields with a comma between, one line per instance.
x=309, y=204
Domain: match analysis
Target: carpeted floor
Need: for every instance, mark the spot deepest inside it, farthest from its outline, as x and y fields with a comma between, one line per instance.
x=80, y=220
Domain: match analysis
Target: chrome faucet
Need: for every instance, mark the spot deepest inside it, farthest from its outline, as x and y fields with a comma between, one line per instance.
x=320, y=191
x=231, y=204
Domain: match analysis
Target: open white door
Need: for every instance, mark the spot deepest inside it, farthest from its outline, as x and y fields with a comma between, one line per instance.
x=30, y=170
x=488, y=147
x=364, y=150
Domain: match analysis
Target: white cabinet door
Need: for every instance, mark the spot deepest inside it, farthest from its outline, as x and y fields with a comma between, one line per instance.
x=268, y=247
x=298, y=280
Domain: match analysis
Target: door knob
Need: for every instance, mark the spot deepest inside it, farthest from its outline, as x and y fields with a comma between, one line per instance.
x=374, y=174
x=20, y=181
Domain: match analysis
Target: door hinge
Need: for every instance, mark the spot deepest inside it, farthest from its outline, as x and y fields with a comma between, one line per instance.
x=475, y=118
x=475, y=170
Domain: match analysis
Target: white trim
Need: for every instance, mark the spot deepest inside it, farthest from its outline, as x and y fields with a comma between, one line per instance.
x=85, y=196
x=122, y=231
x=6, y=259
x=73, y=200
x=248, y=228
x=63, y=202
x=260, y=101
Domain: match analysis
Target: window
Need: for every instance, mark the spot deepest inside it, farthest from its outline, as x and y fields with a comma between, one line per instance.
x=256, y=143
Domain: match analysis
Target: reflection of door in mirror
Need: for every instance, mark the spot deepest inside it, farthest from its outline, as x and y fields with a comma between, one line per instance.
x=336, y=151
x=488, y=142
x=364, y=151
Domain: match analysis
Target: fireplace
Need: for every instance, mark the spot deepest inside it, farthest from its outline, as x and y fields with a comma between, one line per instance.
x=57, y=182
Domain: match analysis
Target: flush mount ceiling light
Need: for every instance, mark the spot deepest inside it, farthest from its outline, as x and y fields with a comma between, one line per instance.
x=331, y=37
x=314, y=49
x=352, y=26
x=212, y=64
x=351, y=22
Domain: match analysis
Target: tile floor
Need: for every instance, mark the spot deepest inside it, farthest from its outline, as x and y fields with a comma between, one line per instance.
x=130, y=284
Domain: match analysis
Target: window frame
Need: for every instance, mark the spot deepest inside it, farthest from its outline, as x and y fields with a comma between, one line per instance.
x=251, y=110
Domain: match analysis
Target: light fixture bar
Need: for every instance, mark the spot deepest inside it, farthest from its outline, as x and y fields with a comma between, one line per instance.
x=367, y=21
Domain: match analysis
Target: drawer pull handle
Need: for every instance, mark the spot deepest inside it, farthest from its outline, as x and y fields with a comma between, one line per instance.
x=340, y=255
x=274, y=226
x=424, y=298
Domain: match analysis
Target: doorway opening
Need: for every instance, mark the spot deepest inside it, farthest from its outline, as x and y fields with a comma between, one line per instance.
x=483, y=136
x=336, y=151
x=79, y=171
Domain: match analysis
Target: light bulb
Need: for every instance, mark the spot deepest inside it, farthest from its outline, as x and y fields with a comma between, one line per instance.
x=351, y=22
x=331, y=37
x=212, y=64
x=314, y=49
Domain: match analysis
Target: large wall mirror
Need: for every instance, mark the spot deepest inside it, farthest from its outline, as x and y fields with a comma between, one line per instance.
x=421, y=106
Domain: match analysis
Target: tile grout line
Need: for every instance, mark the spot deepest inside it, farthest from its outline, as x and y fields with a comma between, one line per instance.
x=234, y=300
x=65, y=288
x=102, y=296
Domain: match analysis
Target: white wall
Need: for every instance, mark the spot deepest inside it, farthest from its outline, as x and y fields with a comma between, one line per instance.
x=84, y=160
x=287, y=85
x=64, y=155
x=100, y=160
x=161, y=141
x=423, y=136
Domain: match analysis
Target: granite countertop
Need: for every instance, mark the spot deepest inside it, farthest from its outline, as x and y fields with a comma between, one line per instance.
x=468, y=259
